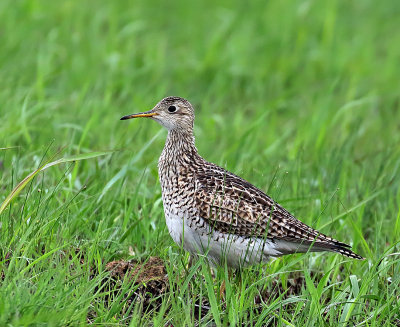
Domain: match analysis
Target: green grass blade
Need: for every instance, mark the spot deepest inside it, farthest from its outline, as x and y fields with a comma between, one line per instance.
x=211, y=296
x=9, y=148
x=21, y=185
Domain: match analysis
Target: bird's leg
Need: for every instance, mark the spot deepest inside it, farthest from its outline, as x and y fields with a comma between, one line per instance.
x=222, y=289
x=190, y=262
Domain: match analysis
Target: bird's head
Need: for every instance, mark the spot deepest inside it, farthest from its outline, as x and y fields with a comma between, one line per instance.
x=173, y=113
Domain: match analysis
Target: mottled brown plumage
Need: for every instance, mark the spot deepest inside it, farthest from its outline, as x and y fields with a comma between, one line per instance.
x=211, y=211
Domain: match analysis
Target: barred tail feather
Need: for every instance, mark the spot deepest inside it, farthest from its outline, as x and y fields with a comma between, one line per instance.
x=284, y=246
x=346, y=252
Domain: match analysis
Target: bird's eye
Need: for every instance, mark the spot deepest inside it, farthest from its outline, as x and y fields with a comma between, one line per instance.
x=171, y=109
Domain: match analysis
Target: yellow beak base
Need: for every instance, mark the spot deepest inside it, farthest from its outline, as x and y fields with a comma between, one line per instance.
x=141, y=114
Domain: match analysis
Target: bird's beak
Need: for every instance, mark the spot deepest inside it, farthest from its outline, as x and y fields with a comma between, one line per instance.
x=149, y=113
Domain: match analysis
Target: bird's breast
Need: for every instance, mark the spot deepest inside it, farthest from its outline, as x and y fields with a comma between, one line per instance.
x=177, y=187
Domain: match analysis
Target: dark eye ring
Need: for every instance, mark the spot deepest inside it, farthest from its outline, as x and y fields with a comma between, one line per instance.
x=171, y=109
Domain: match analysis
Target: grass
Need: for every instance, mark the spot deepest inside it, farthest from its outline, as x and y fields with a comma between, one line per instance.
x=301, y=98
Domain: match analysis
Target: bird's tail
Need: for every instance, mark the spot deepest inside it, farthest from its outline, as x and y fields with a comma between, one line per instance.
x=346, y=251
x=296, y=246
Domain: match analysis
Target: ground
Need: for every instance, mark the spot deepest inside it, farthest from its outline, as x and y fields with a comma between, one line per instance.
x=301, y=98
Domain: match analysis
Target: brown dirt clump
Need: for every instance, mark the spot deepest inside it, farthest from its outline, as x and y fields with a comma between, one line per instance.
x=151, y=270
x=149, y=276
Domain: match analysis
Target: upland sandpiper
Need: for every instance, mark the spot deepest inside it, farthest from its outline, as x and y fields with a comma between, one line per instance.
x=212, y=212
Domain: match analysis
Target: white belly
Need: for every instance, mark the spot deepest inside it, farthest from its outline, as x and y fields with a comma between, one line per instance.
x=236, y=250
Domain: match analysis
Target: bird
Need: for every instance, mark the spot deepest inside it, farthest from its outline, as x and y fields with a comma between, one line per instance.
x=214, y=213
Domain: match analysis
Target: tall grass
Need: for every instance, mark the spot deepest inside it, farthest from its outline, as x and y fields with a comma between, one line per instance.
x=300, y=98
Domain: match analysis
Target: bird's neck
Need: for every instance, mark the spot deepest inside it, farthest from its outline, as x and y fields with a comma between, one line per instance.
x=179, y=148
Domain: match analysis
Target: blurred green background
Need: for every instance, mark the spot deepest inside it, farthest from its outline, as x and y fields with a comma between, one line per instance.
x=299, y=97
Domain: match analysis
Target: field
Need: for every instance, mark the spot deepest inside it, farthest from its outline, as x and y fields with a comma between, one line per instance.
x=301, y=98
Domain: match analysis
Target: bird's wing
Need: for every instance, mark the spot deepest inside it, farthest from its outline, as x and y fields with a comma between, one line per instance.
x=232, y=205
